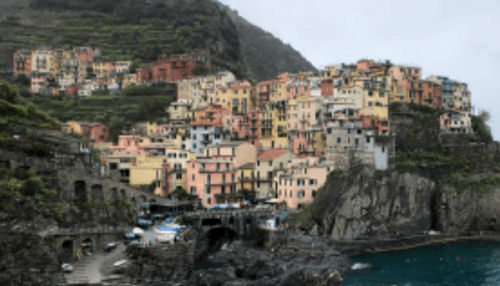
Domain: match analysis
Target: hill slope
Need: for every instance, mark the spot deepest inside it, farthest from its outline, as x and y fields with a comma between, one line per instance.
x=260, y=48
x=144, y=30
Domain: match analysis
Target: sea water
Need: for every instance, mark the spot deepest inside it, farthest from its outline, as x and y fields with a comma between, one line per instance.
x=458, y=263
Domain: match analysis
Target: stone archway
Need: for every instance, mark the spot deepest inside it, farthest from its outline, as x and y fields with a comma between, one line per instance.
x=218, y=236
x=211, y=221
x=67, y=250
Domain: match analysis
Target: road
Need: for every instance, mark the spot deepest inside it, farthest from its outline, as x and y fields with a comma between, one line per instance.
x=90, y=269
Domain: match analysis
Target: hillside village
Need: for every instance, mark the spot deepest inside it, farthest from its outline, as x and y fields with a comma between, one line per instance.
x=228, y=141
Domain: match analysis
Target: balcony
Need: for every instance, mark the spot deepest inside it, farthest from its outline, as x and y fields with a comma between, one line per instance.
x=220, y=170
x=221, y=183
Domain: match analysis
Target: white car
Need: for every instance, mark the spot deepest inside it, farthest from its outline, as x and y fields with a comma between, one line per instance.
x=120, y=263
x=66, y=267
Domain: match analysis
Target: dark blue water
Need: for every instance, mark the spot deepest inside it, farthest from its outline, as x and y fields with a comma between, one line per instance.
x=459, y=263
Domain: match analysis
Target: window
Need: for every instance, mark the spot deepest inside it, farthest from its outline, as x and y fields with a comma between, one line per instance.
x=178, y=176
x=312, y=182
x=207, y=190
x=270, y=162
x=193, y=191
x=258, y=163
x=301, y=194
x=313, y=193
x=339, y=140
x=192, y=177
x=300, y=182
x=113, y=166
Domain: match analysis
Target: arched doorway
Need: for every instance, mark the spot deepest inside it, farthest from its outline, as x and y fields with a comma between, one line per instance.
x=80, y=195
x=67, y=250
x=87, y=246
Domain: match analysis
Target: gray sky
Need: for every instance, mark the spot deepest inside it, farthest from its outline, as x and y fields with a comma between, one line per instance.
x=456, y=38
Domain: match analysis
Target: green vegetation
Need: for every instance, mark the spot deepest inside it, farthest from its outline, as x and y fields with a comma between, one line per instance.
x=260, y=49
x=145, y=30
x=25, y=196
x=20, y=122
x=465, y=162
x=127, y=30
x=118, y=112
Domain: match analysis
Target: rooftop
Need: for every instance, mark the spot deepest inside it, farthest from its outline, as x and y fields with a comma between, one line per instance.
x=272, y=153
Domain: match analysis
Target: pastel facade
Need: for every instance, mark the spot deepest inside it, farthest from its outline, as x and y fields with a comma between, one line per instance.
x=207, y=129
x=171, y=69
x=268, y=163
x=22, y=62
x=298, y=185
x=238, y=97
x=213, y=175
x=456, y=122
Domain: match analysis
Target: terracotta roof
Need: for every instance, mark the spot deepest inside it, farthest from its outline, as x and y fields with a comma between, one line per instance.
x=272, y=153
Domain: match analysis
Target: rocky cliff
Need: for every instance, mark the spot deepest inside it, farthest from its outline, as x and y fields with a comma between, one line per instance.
x=449, y=183
x=365, y=203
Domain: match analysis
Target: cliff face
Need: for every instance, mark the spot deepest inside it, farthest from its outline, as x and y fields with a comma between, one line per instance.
x=449, y=183
x=365, y=204
x=460, y=211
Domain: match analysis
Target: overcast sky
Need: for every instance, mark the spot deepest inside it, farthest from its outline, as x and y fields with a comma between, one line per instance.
x=459, y=39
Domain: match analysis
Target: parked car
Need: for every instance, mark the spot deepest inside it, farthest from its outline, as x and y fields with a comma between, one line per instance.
x=66, y=267
x=111, y=245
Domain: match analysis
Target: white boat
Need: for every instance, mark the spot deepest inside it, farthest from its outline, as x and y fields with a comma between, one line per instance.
x=360, y=266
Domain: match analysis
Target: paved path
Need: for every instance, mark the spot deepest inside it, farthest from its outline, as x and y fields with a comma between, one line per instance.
x=88, y=270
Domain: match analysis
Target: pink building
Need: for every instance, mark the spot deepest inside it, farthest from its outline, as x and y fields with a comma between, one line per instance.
x=21, y=62
x=128, y=144
x=295, y=89
x=213, y=175
x=425, y=92
x=298, y=185
x=95, y=132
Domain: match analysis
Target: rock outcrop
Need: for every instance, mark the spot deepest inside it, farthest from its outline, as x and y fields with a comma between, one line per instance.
x=462, y=211
x=367, y=203
x=303, y=260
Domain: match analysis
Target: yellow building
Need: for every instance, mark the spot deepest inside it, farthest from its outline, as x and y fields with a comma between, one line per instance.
x=238, y=97
x=246, y=179
x=400, y=92
x=75, y=127
x=147, y=170
x=274, y=130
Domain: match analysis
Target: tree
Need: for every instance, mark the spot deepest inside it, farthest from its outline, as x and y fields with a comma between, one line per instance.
x=7, y=91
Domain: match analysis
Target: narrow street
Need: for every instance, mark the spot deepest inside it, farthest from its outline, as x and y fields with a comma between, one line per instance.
x=91, y=268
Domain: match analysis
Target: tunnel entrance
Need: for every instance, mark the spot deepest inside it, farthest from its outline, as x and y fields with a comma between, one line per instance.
x=218, y=236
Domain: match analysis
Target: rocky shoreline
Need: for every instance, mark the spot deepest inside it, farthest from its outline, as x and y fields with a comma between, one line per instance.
x=359, y=247
x=301, y=260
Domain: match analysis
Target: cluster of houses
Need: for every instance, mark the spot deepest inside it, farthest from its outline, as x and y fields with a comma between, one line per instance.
x=80, y=72
x=229, y=141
